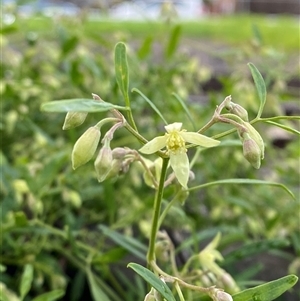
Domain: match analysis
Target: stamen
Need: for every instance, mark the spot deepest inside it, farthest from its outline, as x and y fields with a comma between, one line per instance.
x=175, y=143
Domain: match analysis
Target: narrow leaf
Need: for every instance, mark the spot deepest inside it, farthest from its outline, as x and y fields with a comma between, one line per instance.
x=26, y=280
x=260, y=87
x=180, y=100
x=268, y=291
x=50, y=296
x=145, y=49
x=284, y=127
x=78, y=105
x=121, y=70
x=243, y=181
x=128, y=243
x=153, y=280
x=152, y=105
x=173, y=42
x=96, y=291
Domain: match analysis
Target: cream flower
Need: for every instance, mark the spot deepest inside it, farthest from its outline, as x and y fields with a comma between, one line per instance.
x=174, y=141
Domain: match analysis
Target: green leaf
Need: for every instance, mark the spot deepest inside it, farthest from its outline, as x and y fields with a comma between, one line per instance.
x=260, y=87
x=152, y=105
x=243, y=181
x=128, y=243
x=173, y=42
x=180, y=100
x=257, y=34
x=121, y=70
x=96, y=291
x=268, y=291
x=78, y=105
x=69, y=45
x=26, y=280
x=153, y=280
x=50, y=296
x=145, y=49
x=284, y=127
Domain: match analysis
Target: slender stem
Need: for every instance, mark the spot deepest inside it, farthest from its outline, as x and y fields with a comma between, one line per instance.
x=129, y=113
x=172, y=279
x=106, y=120
x=179, y=292
x=208, y=125
x=130, y=129
x=143, y=140
x=156, y=212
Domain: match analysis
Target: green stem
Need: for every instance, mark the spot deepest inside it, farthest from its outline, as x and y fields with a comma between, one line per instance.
x=129, y=114
x=143, y=140
x=156, y=212
x=207, y=126
x=172, y=279
x=168, y=207
x=179, y=292
x=130, y=129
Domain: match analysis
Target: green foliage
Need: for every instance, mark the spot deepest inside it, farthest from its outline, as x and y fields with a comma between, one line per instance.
x=269, y=291
x=67, y=237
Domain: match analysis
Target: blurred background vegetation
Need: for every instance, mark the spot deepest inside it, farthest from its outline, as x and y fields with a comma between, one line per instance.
x=76, y=232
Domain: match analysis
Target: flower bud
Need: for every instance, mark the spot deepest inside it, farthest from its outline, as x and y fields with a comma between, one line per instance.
x=222, y=296
x=104, y=161
x=119, y=152
x=251, y=151
x=162, y=251
x=85, y=146
x=219, y=295
x=229, y=283
x=74, y=119
x=238, y=110
x=253, y=133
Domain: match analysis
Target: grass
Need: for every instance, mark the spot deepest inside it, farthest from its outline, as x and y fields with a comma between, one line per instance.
x=281, y=32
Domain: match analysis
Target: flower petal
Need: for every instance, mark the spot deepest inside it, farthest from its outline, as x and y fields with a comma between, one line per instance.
x=154, y=145
x=181, y=167
x=199, y=139
x=176, y=126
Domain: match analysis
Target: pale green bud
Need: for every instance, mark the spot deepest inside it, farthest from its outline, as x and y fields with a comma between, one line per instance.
x=116, y=168
x=251, y=151
x=238, y=110
x=254, y=134
x=104, y=161
x=85, y=146
x=162, y=250
x=74, y=119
